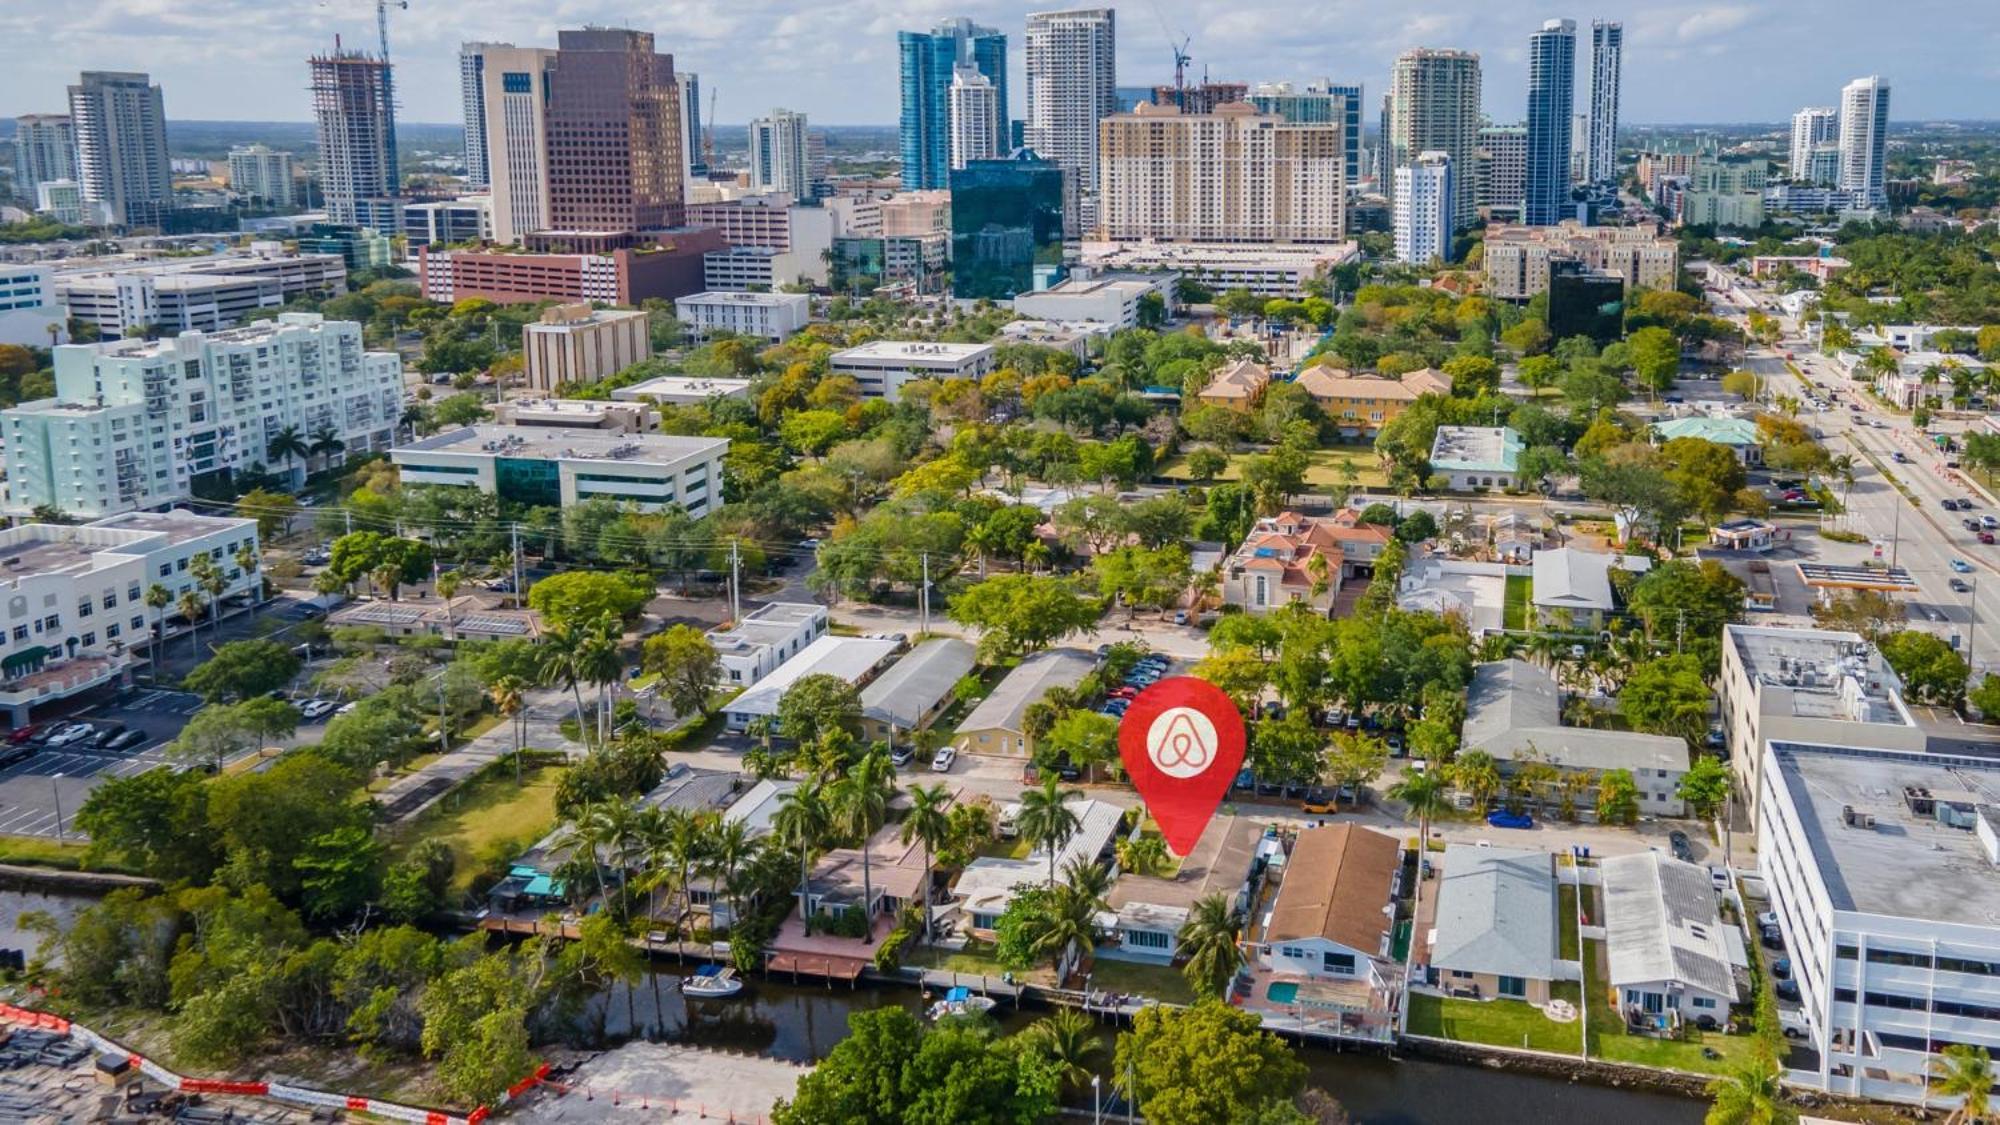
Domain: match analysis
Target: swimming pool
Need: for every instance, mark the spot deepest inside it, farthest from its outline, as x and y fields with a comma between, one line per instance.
x=1281, y=992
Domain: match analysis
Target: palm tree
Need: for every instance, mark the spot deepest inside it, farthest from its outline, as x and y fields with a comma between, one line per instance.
x=287, y=445
x=325, y=443
x=158, y=598
x=860, y=805
x=1071, y=920
x=595, y=826
x=1422, y=793
x=1069, y=1040
x=558, y=659
x=730, y=846
x=1209, y=942
x=686, y=849
x=447, y=588
x=929, y=822
x=1966, y=1072
x=190, y=604
x=1046, y=818
x=801, y=821
x=246, y=560
x=599, y=663
x=1475, y=772
x=505, y=692
x=1749, y=1095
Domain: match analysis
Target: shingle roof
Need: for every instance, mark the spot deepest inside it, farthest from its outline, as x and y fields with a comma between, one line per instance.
x=917, y=682
x=1661, y=924
x=1497, y=912
x=1026, y=684
x=1337, y=882
x=1568, y=578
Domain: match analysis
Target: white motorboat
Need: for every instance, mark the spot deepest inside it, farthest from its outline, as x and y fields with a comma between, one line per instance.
x=960, y=1002
x=712, y=982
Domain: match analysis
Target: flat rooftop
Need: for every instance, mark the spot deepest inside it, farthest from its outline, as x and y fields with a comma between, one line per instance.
x=1906, y=863
x=731, y=297
x=682, y=386
x=1264, y=255
x=911, y=350
x=40, y=555
x=555, y=443
x=770, y=624
x=1819, y=674
x=850, y=658
x=178, y=525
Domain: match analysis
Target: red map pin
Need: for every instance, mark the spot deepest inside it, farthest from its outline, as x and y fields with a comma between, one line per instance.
x=1182, y=742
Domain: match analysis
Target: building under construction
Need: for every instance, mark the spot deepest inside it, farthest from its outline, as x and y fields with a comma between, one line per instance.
x=354, y=104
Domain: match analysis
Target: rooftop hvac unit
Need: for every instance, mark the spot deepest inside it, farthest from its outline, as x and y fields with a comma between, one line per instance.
x=1856, y=819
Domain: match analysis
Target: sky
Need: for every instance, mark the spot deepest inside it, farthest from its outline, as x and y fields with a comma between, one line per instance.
x=1685, y=60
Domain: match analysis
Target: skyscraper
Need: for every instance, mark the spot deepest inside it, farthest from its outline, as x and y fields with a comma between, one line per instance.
x=1551, y=99
x=120, y=121
x=975, y=118
x=514, y=85
x=614, y=133
x=1812, y=127
x=1423, y=197
x=1235, y=175
x=44, y=150
x=779, y=160
x=1006, y=227
x=929, y=60
x=472, y=96
x=1320, y=102
x=1503, y=168
x=1072, y=74
x=258, y=173
x=355, y=109
x=1607, y=52
x=1434, y=107
x=697, y=161
x=1864, y=132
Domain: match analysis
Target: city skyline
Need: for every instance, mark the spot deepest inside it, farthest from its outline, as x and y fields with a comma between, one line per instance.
x=843, y=62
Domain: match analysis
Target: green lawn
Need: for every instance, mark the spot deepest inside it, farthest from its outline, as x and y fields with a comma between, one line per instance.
x=1566, y=911
x=39, y=851
x=1324, y=471
x=1501, y=1023
x=1609, y=1039
x=485, y=818
x=1520, y=590
x=1157, y=982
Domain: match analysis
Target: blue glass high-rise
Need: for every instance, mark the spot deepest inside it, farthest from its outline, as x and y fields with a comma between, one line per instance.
x=928, y=58
x=1006, y=226
x=1551, y=102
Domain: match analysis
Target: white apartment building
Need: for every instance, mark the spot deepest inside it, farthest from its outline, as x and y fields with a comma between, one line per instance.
x=769, y=316
x=133, y=423
x=1423, y=210
x=556, y=468
x=1433, y=105
x=44, y=150
x=122, y=296
x=1884, y=871
x=72, y=598
x=1233, y=175
x=754, y=646
x=62, y=200
x=1600, y=141
x=1265, y=270
x=1807, y=685
x=1813, y=128
x=514, y=82
x=779, y=161
x=472, y=103
x=882, y=367
x=1071, y=66
x=1112, y=298
x=1864, y=138
x=262, y=174
x=29, y=314
x=975, y=112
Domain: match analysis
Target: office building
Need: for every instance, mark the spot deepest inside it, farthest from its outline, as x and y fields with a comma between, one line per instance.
x=1584, y=302
x=62, y=200
x=1072, y=76
x=769, y=316
x=976, y=121
x=133, y=424
x=515, y=94
x=29, y=314
x=120, y=297
x=882, y=367
x=1600, y=145
x=1006, y=227
x=1724, y=192
x=670, y=267
x=1423, y=198
x=1320, y=103
x=683, y=390
x=1814, y=129
x=1503, y=169
x=1235, y=175
x=1115, y=299
x=1551, y=101
x=354, y=108
x=579, y=344
x=614, y=134
x=448, y=221
x=1519, y=259
x=75, y=597
x=1264, y=269
x=1434, y=107
x=930, y=62
x=545, y=467
x=916, y=214
x=262, y=176
x=778, y=159
x=120, y=122
x=472, y=102
x=359, y=247
x=696, y=168
x=1881, y=869
x=44, y=150
x=1864, y=134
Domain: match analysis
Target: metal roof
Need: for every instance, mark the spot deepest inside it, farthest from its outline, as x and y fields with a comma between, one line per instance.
x=1660, y=924
x=1026, y=684
x=918, y=682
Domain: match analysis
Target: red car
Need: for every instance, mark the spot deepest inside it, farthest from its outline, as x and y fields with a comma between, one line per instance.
x=22, y=734
x=1125, y=692
x=1986, y=537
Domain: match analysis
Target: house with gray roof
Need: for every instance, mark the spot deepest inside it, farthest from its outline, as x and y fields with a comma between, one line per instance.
x=1495, y=932
x=1671, y=955
x=1513, y=711
x=904, y=699
x=1574, y=587
x=1733, y=432
x=996, y=725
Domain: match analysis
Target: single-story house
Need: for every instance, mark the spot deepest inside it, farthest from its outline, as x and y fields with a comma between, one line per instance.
x=758, y=806
x=1496, y=929
x=1578, y=583
x=987, y=884
x=1335, y=912
x=1513, y=711
x=853, y=659
x=1151, y=910
x=996, y=726
x=895, y=875
x=1670, y=951
x=1737, y=434
x=904, y=699
x=1476, y=457
x=1238, y=386
x=1474, y=592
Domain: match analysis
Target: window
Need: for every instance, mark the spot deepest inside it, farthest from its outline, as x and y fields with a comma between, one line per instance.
x=110, y=599
x=1341, y=963
x=89, y=639
x=1701, y=1002
x=1146, y=939
x=1517, y=987
x=20, y=632
x=51, y=623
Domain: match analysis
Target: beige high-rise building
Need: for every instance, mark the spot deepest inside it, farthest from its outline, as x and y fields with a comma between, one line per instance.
x=579, y=344
x=1235, y=175
x=516, y=83
x=1518, y=258
x=1434, y=107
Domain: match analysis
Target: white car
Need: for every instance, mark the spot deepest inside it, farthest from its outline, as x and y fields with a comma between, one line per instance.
x=77, y=733
x=942, y=763
x=1767, y=918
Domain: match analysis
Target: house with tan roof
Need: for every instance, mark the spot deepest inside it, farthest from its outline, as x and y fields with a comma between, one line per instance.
x=1152, y=909
x=1238, y=386
x=1291, y=558
x=1335, y=912
x=1360, y=405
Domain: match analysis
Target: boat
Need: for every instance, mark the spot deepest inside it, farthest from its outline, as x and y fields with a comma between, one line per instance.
x=712, y=982
x=960, y=1002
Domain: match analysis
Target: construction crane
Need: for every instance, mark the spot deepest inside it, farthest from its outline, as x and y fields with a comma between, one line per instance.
x=382, y=20
x=708, y=134
x=1181, y=57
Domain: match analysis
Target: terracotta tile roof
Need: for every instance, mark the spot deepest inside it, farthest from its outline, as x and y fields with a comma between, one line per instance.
x=1323, y=382
x=1337, y=882
x=1244, y=379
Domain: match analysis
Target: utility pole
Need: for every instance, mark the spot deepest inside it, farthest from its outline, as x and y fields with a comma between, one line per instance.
x=924, y=596
x=735, y=582
x=1679, y=631
x=349, y=513
x=515, y=529
x=1972, y=631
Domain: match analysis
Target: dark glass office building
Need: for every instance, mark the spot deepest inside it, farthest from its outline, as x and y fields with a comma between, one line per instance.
x=1585, y=303
x=1006, y=226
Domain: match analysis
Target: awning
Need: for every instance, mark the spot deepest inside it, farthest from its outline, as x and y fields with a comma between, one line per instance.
x=28, y=659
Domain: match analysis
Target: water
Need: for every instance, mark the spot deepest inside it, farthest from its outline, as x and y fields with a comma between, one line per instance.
x=803, y=1022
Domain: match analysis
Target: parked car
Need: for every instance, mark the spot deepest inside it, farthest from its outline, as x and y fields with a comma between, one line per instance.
x=1501, y=818
x=1767, y=918
x=1959, y=585
x=1787, y=990
x=19, y=735
x=1771, y=937
x=1318, y=802
x=942, y=763
x=1782, y=968
x=126, y=739
x=901, y=755
x=1989, y=522
x=73, y=734
x=1969, y=524
x=1123, y=691
x=49, y=733
x=15, y=752
x=1678, y=841
x=104, y=734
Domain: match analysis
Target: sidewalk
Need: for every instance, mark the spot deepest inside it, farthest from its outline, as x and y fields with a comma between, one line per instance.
x=408, y=797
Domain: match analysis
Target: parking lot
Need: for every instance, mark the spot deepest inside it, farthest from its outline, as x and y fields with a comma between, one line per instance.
x=59, y=778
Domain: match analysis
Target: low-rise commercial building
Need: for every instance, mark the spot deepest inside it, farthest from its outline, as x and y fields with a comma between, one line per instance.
x=1264, y=269
x=766, y=637
x=853, y=659
x=576, y=343
x=667, y=269
x=882, y=367
x=1470, y=457
x=1513, y=712
x=29, y=314
x=768, y=316
x=446, y=221
x=1736, y=434
x=914, y=691
x=544, y=467
x=578, y=414
x=1111, y=298
x=1495, y=933
x=997, y=725
x=1518, y=259
x=682, y=390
